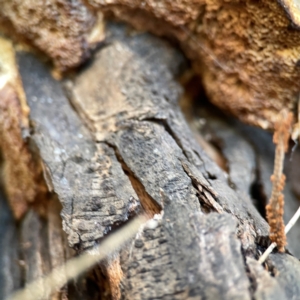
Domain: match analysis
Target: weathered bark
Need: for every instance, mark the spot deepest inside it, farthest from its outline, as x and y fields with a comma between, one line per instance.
x=236, y=46
x=113, y=142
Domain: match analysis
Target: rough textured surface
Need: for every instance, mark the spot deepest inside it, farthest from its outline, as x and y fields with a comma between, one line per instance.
x=31, y=248
x=267, y=287
x=61, y=29
x=292, y=9
x=154, y=146
x=166, y=262
x=247, y=52
x=288, y=282
x=177, y=13
x=249, y=154
x=265, y=152
x=145, y=116
x=241, y=171
x=20, y=171
x=122, y=142
x=237, y=47
x=87, y=177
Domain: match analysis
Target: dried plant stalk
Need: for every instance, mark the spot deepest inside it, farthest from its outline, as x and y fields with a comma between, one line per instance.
x=275, y=206
x=43, y=287
x=288, y=227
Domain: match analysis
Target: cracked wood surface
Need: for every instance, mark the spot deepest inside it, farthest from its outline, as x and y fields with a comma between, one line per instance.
x=189, y=257
x=120, y=144
x=148, y=130
x=31, y=248
x=87, y=177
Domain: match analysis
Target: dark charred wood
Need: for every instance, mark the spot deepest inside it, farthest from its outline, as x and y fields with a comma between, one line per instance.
x=114, y=142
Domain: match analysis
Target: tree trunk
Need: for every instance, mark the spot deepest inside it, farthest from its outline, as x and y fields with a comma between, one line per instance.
x=109, y=142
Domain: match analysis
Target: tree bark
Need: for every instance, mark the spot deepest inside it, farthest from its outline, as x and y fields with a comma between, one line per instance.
x=113, y=143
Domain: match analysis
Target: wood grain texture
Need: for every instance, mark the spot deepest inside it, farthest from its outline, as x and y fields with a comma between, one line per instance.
x=191, y=256
x=117, y=144
x=151, y=122
x=91, y=185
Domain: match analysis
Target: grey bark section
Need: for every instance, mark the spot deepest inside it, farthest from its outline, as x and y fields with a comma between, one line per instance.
x=267, y=287
x=88, y=179
x=189, y=257
x=127, y=131
x=34, y=246
x=145, y=118
x=151, y=137
x=238, y=152
x=10, y=273
x=286, y=274
x=158, y=165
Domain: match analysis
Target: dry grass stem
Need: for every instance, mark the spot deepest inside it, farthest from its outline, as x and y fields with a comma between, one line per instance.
x=43, y=287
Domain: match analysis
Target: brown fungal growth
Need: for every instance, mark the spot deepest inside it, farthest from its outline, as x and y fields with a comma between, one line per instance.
x=115, y=275
x=261, y=76
x=247, y=52
x=64, y=30
x=275, y=207
x=20, y=172
x=18, y=182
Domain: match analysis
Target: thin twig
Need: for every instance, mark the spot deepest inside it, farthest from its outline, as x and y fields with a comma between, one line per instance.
x=288, y=227
x=292, y=221
x=43, y=287
x=267, y=252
